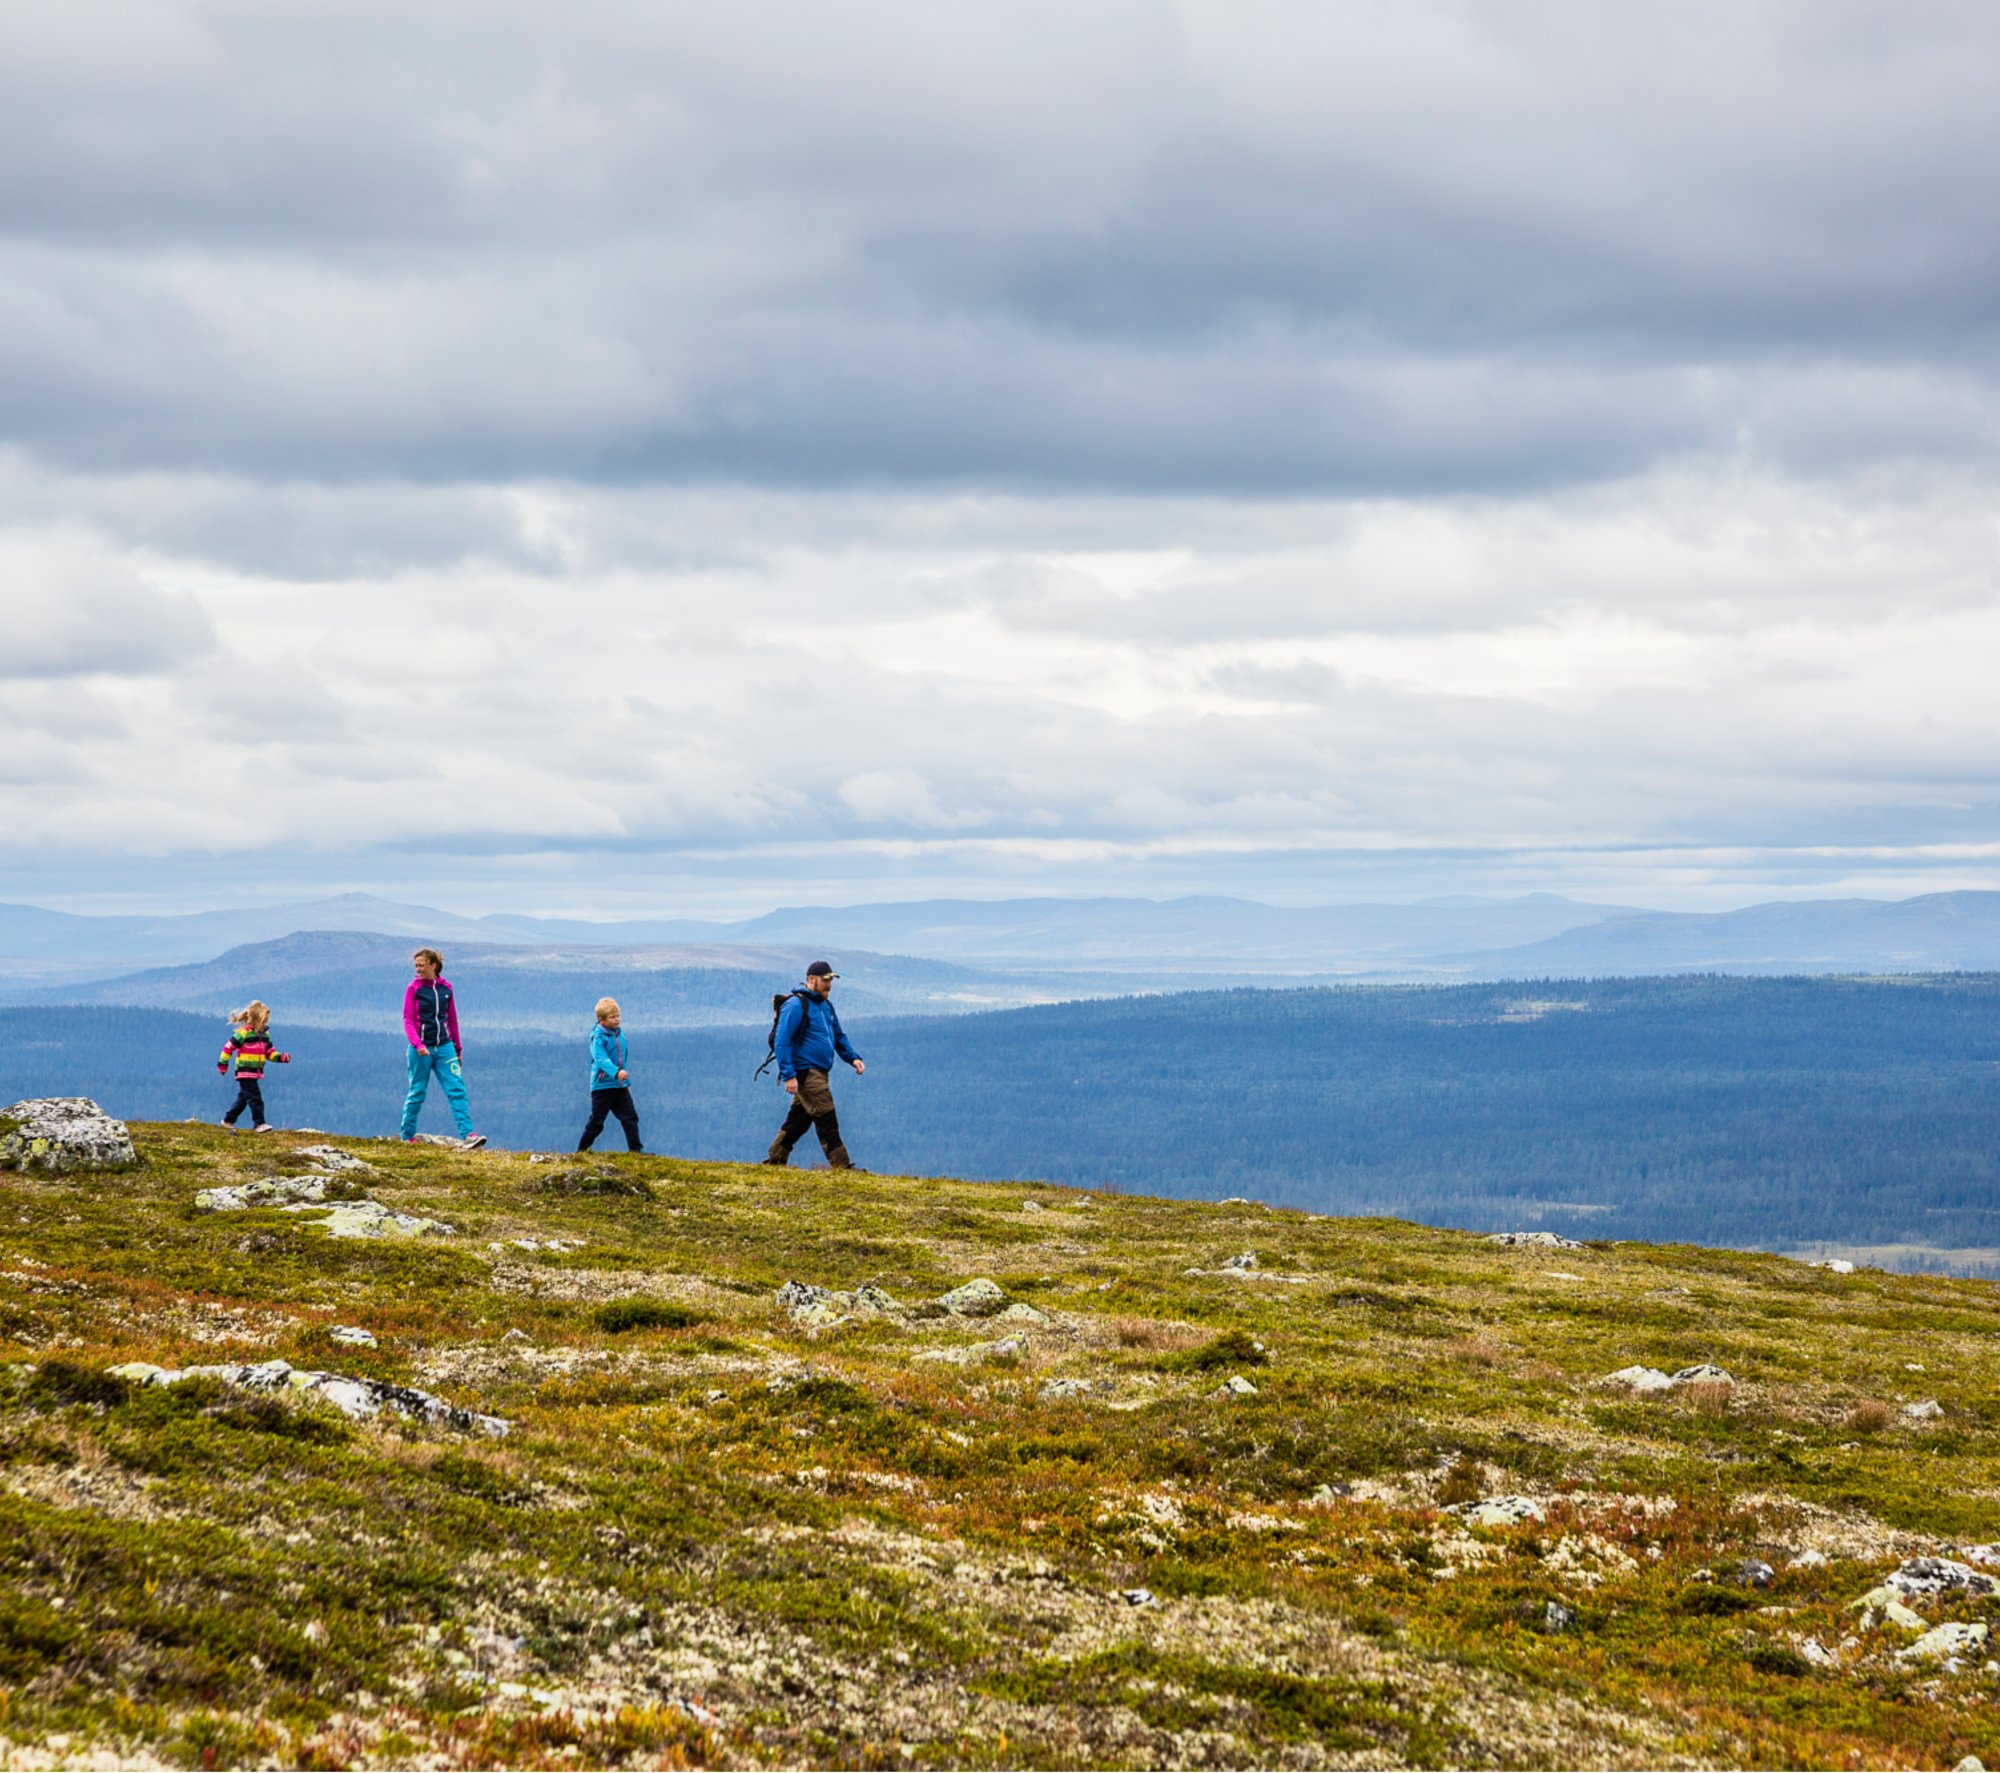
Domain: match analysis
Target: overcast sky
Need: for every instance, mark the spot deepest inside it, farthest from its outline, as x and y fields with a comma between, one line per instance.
x=613, y=457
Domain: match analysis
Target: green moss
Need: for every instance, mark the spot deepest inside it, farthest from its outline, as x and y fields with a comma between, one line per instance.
x=199, y=1571
x=621, y=1315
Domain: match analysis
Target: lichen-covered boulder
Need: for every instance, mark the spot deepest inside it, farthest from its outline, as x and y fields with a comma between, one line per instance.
x=59, y=1134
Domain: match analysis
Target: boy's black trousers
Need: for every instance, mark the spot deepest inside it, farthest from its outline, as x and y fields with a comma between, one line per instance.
x=250, y=1095
x=604, y=1103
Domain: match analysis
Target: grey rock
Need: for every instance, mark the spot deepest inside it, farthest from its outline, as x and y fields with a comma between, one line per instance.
x=1927, y=1411
x=1755, y=1573
x=1642, y=1379
x=1237, y=1386
x=1809, y=1560
x=1953, y=1639
x=351, y=1336
x=1022, y=1314
x=797, y=1297
x=1137, y=1597
x=1916, y=1577
x=1067, y=1387
x=872, y=1298
x=335, y=1161
x=360, y=1398
x=1835, y=1265
x=1705, y=1374
x=977, y=1298
x=1235, y=1200
x=1539, y=1240
x=1817, y=1653
x=272, y=1191
x=308, y=1194
x=516, y=1336
x=1499, y=1511
x=1328, y=1494
x=1241, y=1264
x=1971, y=1764
x=821, y=1308
x=1557, y=1617
x=58, y=1135
x=370, y=1218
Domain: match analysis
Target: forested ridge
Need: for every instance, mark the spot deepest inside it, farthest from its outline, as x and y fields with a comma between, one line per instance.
x=1750, y=1112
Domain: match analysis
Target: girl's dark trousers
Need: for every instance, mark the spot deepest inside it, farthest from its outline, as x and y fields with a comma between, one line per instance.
x=250, y=1095
x=604, y=1103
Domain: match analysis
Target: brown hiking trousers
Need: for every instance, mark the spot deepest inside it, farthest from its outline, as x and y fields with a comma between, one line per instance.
x=811, y=1107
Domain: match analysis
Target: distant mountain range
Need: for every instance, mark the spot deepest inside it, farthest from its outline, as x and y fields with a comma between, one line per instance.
x=1022, y=950
x=355, y=979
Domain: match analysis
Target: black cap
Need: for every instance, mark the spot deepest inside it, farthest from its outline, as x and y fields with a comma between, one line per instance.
x=821, y=970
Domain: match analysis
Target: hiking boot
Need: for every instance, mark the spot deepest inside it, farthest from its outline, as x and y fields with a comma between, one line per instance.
x=837, y=1159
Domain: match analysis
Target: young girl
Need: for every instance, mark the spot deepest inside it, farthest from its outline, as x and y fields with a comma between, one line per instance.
x=610, y=1081
x=430, y=1019
x=249, y=1044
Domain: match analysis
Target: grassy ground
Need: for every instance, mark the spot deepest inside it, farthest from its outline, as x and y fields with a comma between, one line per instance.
x=718, y=1537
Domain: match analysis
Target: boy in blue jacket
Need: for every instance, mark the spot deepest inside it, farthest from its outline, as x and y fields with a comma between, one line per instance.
x=806, y=1042
x=610, y=1081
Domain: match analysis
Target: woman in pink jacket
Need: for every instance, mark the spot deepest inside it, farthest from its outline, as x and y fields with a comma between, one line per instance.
x=430, y=1020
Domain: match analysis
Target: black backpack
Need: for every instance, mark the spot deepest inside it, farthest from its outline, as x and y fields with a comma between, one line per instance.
x=778, y=1001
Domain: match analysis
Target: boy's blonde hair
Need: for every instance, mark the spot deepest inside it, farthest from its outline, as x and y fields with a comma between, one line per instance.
x=255, y=1015
x=606, y=1006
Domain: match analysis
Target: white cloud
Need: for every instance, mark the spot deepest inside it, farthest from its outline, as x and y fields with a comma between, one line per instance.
x=74, y=608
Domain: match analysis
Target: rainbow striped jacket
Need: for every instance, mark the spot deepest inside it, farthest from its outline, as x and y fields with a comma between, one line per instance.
x=250, y=1051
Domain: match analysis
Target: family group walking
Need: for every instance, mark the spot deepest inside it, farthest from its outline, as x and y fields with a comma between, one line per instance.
x=806, y=1039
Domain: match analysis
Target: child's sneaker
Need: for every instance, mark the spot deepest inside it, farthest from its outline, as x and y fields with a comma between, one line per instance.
x=264, y=1126
x=473, y=1141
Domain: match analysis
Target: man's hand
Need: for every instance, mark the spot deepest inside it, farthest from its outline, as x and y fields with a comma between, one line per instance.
x=859, y=1068
x=791, y=1086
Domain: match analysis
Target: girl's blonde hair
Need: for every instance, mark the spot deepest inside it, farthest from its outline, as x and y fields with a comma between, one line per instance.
x=604, y=1006
x=254, y=1014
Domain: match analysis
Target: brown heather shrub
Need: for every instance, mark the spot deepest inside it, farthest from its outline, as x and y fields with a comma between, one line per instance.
x=1707, y=1399
x=1871, y=1416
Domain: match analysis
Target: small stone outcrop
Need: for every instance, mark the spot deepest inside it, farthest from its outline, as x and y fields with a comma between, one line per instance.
x=977, y=1298
x=1008, y=1349
x=58, y=1135
x=1535, y=1240
x=820, y=1308
x=1499, y=1511
x=360, y=1398
x=329, y=1194
x=1651, y=1379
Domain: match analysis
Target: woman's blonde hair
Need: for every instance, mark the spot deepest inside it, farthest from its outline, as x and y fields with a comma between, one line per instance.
x=254, y=1014
x=605, y=1005
x=430, y=954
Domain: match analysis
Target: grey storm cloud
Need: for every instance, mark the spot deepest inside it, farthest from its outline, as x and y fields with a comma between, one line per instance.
x=1242, y=248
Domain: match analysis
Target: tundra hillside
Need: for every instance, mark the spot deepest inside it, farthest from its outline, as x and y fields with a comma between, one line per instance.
x=626, y=1461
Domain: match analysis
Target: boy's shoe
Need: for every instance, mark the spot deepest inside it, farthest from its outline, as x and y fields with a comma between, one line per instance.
x=473, y=1141
x=230, y=1124
x=263, y=1126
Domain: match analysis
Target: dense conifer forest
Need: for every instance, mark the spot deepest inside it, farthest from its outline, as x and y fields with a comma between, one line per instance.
x=1772, y=1113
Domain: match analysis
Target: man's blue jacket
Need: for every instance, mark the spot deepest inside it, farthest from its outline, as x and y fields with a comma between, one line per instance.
x=809, y=1038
